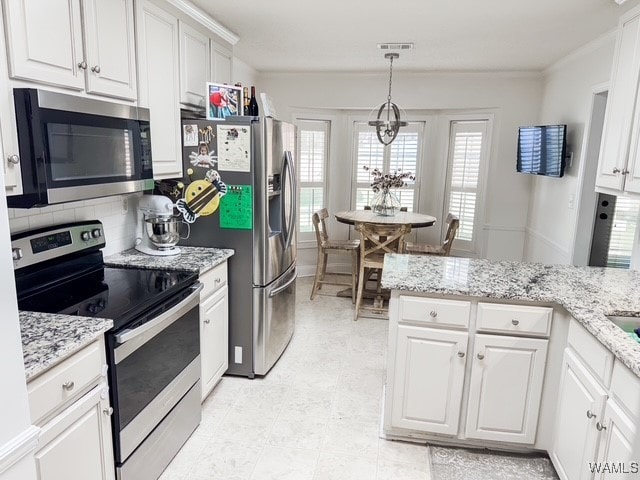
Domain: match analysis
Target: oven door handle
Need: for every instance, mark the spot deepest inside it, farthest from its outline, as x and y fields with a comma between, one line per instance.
x=171, y=315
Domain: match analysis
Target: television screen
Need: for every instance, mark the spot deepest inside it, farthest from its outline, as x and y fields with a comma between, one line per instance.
x=542, y=149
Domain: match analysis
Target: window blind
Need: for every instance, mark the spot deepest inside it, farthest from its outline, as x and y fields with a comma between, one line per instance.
x=623, y=231
x=313, y=137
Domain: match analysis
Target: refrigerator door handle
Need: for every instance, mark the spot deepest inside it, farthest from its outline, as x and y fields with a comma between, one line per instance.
x=282, y=288
x=291, y=179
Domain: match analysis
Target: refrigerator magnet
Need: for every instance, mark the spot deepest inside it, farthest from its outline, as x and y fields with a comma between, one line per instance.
x=190, y=135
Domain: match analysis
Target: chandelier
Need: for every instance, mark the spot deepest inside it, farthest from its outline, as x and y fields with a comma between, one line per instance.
x=388, y=121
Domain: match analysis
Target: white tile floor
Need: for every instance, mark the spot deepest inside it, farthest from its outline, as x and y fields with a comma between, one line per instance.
x=315, y=416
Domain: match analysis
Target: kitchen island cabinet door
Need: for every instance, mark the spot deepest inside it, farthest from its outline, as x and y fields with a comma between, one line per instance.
x=581, y=402
x=214, y=339
x=617, y=458
x=505, y=388
x=429, y=376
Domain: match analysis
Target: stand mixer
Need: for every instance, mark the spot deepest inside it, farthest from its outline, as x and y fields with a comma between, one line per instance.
x=159, y=227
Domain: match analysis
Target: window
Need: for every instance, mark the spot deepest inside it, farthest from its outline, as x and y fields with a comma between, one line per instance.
x=623, y=230
x=402, y=155
x=467, y=149
x=313, y=137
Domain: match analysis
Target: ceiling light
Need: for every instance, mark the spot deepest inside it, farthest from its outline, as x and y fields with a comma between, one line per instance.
x=388, y=121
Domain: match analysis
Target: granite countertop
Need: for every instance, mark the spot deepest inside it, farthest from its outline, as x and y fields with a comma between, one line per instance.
x=48, y=338
x=193, y=259
x=587, y=293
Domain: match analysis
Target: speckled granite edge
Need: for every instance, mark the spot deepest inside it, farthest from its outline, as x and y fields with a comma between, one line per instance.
x=193, y=259
x=587, y=293
x=49, y=338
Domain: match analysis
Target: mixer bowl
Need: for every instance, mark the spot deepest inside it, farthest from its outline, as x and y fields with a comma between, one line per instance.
x=164, y=232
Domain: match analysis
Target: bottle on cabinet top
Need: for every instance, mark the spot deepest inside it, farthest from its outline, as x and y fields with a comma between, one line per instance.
x=253, y=103
x=245, y=100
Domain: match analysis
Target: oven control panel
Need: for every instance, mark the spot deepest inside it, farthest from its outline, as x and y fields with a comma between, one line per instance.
x=43, y=244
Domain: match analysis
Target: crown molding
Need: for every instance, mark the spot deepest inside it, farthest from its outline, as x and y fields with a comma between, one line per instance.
x=202, y=17
x=586, y=49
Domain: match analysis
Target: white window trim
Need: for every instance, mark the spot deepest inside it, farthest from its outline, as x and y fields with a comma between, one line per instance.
x=308, y=239
x=479, y=244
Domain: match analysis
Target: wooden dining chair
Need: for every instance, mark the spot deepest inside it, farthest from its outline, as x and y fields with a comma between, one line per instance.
x=375, y=241
x=326, y=247
x=453, y=223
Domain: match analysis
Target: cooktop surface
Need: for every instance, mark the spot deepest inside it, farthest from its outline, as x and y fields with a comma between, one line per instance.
x=120, y=294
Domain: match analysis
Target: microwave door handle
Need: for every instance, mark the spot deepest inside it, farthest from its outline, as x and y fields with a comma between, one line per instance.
x=175, y=311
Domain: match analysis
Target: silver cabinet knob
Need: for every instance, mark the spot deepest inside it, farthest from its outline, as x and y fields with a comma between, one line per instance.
x=207, y=320
x=515, y=322
x=625, y=172
x=95, y=69
x=13, y=159
x=600, y=426
x=461, y=354
x=615, y=170
x=108, y=411
x=433, y=314
x=480, y=356
x=590, y=414
x=16, y=253
x=68, y=386
x=217, y=281
x=82, y=65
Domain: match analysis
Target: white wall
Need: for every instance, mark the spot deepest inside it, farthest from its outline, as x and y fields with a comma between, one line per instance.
x=567, y=98
x=243, y=73
x=117, y=213
x=512, y=98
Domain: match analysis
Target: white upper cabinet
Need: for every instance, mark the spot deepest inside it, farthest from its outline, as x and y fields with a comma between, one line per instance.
x=194, y=66
x=109, y=40
x=618, y=167
x=158, y=64
x=220, y=64
x=45, y=44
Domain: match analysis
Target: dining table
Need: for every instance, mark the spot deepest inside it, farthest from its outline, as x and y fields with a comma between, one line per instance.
x=351, y=217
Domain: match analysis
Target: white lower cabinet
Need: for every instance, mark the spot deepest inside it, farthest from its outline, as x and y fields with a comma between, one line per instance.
x=429, y=376
x=618, y=456
x=76, y=445
x=581, y=402
x=214, y=327
x=505, y=388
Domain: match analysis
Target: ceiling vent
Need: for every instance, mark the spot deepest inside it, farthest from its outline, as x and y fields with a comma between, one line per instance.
x=395, y=46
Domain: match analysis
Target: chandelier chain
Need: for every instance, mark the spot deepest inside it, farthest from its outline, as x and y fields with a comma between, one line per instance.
x=390, y=79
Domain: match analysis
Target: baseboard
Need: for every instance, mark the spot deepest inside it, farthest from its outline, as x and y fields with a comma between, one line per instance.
x=18, y=447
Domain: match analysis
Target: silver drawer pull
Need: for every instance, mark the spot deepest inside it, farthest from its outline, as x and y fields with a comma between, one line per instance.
x=480, y=356
x=600, y=426
x=515, y=322
x=108, y=411
x=590, y=414
x=461, y=354
x=433, y=314
x=68, y=386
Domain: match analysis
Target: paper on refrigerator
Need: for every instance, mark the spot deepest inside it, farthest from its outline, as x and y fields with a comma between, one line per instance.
x=234, y=148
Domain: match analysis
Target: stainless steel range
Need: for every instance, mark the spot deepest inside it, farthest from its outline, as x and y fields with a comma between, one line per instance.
x=153, y=350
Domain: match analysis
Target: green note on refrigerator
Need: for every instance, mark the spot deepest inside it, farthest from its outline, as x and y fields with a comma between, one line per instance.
x=236, y=208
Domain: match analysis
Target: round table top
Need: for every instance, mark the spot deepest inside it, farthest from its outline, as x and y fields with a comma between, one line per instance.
x=416, y=220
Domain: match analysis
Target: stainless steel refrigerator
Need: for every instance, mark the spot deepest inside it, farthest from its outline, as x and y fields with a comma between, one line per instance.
x=256, y=160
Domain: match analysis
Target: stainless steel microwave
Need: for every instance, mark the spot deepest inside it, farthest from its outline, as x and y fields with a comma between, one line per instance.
x=76, y=148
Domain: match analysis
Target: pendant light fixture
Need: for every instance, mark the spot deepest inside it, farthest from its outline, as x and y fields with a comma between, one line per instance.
x=388, y=121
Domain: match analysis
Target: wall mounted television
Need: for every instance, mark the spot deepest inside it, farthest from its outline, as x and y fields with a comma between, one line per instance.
x=542, y=150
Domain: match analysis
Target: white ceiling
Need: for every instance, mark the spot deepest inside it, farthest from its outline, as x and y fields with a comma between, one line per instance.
x=481, y=35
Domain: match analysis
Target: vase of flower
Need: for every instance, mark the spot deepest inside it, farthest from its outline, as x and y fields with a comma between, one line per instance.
x=385, y=201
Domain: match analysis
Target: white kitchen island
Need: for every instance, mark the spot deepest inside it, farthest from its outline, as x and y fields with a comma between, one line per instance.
x=514, y=356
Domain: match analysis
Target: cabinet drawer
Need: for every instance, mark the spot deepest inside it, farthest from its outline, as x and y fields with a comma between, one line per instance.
x=213, y=280
x=65, y=381
x=432, y=311
x=595, y=355
x=625, y=387
x=514, y=319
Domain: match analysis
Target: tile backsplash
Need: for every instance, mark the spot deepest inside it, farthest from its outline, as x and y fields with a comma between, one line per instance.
x=117, y=213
